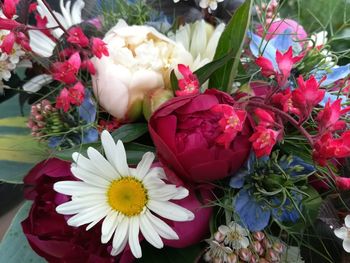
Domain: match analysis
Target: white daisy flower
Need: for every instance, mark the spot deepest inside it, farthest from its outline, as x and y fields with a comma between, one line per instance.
x=344, y=233
x=70, y=15
x=127, y=199
x=235, y=235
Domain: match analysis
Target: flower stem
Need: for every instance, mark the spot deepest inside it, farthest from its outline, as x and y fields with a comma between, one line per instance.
x=54, y=17
x=286, y=116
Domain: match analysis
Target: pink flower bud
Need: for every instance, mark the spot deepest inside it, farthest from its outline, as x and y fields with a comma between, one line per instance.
x=35, y=128
x=272, y=255
x=245, y=254
x=278, y=247
x=266, y=243
x=259, y=236
x=257, y=247
x=38, y=107
x=39, y=117
x=232, y=258
x=263, y=260
x=41, y=124
x=30, y=124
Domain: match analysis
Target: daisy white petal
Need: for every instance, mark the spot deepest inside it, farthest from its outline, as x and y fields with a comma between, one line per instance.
x=109, y=226
x=36, y=83
x=74, y=187
x=88, y=177
x=134, y=237
x=41, y=44
x=76, y=12
x=73, y=207
x=109, y=149
x=84, y=163
x=102, y=164
x=163, y=229
x=149, y=232
x=122, y=164
x=170, y=211
x=121, y=235
x=145, y=164
x=65, y=9
x=88, y=215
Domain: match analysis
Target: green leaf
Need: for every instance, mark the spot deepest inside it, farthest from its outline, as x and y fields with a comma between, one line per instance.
x=66, y=154
x=231, y=41
x=207, y=70
x=14, y=247
x=174, y=82
x=130, y=132
x=169, y=255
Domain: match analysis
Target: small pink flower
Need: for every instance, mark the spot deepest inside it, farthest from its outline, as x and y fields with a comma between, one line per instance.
x=99, y=48
x=77, y=36
x=63, y=100
x=8, y=42
x=66, y=71
x=263, y=140
x=231, y=123
x=189, y=85
x=77, y=94
x=9, y=8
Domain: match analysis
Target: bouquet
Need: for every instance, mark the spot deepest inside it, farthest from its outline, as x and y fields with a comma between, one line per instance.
x=176, y=131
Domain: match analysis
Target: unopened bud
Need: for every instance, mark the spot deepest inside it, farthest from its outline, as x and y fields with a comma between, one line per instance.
x=232, y=258
x=259, y=236
x=266, y=243
x=272, y=255
x=245, y=254
x=257, y=247
x=278, y=247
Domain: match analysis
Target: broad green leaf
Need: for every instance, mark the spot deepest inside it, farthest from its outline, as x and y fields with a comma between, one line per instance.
x=231, y=41
x=18, y=122
x=14, y=247
x=174, y=81
x=130, y=132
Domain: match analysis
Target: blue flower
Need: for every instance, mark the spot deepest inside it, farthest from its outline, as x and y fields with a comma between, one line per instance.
x=253, y=214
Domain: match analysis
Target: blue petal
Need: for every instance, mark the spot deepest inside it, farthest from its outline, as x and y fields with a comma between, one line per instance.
x=282, y=42
x=252, y=214
x=269, y=51
x=330, y=97
x=90, y=135
x=308, y=168
x=338, y=73
x=288, y=212
x=55, y=141
x=237, y=181
x=87, y=110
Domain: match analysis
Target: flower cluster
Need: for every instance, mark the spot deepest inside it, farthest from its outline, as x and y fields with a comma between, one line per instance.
x=233, y=243
x=184, y=127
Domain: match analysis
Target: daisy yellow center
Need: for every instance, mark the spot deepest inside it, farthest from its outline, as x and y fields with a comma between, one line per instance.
x=127, y=196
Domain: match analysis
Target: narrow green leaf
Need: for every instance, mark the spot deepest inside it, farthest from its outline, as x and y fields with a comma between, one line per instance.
x=14, y=247
x=231, y=40
x=130, y=132
x=207, y=70
x=174, y=81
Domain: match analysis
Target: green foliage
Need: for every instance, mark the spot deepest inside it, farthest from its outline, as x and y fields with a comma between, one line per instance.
x=130, y=132
x=231, y=42
x=137, y=13
x=14, y=247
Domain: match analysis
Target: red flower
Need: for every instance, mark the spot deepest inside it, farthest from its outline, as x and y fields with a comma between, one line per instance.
x=263, y=140
x=327, y=147
x=285, y=64
x=8, y=42
x=189, y=85
x=185, y=130
x=48, y=233
x=76, y=36
x=9, y=8
x=266, y=118
x=284, y=99
x=63, y=100
x=99, y=48
x=89, y=66
x=231, y=123
x=328, y=118
x=66, y=71
x=307, y=95
x=77, y=94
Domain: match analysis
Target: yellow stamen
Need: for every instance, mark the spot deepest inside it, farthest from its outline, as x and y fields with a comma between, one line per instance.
x=127, y=196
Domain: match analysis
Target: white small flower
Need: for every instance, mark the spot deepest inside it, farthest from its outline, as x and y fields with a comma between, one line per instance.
x=235, y=235
x=344, y=233
x=40, y=43
x=212, y=4
x=127, y=199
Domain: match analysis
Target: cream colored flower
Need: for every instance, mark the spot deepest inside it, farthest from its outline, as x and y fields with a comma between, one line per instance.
x=128, y=200
x=235, y=235
x=140, y=60
x=200, y=39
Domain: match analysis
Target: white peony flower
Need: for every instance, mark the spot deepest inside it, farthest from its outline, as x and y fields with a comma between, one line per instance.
x=344, y=233
x=140, y=60
x=200, y=39
x=40, y=43
x=126, y=199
